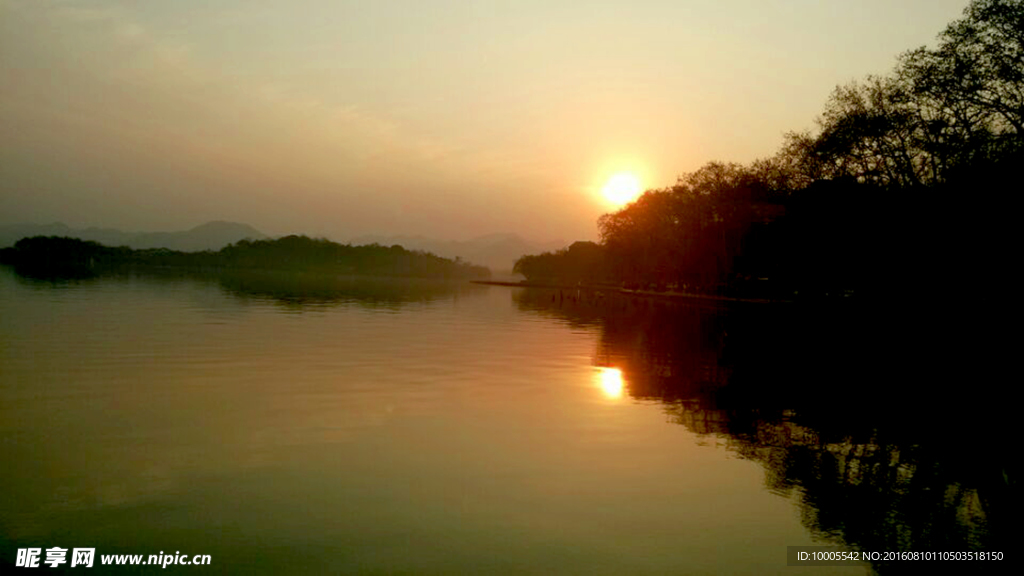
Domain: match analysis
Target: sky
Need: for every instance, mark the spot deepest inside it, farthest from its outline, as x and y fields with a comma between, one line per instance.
x=426, y=117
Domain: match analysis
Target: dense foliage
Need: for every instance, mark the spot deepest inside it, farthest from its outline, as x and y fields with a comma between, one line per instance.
x=46, y=255
x=903, y=185
x=581, y=262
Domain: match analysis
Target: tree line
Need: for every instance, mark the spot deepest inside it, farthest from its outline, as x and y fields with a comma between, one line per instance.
x=56, y=256
x=906, y=182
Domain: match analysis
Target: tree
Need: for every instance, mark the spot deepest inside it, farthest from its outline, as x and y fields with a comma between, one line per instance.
x=580, y=262
x=977, y=71
x=873, y=131
x=971, y=87
x=943, y=109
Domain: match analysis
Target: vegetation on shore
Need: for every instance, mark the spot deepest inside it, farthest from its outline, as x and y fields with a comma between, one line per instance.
x=56, y=256
x=902, y=189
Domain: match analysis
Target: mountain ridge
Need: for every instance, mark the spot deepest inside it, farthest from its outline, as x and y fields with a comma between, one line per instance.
x=212, y=235
x=498, y=251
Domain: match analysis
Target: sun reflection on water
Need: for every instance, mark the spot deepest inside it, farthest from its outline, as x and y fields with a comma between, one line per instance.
x=610, y=381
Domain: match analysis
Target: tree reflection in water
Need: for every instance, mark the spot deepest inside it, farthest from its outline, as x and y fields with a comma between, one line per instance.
x=891, y=430
x=310, y=291
x=293, y=291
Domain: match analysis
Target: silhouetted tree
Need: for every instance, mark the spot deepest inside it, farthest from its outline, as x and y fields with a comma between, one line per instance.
x=580, y=262
x=690, y=234
x=977, y=71
x=945, y=109
x=884, y=197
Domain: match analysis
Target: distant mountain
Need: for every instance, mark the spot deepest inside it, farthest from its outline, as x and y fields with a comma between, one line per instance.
x=496, y=251
x=209, y=236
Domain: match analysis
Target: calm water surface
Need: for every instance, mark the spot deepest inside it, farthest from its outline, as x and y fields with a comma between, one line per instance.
x=296, y=427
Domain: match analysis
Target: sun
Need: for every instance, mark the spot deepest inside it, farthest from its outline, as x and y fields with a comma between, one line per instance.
x=622, y=188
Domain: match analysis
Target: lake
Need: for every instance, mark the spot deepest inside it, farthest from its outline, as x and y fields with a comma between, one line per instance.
x=298, y=425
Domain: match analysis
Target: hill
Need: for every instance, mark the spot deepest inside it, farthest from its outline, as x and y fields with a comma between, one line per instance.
x=496, y=251
x=55, y=257
x=210, y=236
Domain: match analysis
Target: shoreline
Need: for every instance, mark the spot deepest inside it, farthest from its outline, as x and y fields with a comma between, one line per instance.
x=627, y=292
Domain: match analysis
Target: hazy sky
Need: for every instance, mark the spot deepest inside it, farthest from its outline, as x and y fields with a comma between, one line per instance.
x=443, y=118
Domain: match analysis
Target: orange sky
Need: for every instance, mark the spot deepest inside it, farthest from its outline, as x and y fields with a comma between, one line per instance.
x=442, y=118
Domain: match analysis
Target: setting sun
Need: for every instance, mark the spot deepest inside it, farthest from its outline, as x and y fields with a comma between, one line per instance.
x=622, y=188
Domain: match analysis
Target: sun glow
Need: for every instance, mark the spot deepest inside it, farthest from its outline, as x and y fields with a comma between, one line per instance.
x=622, y=188
x=610, y=381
